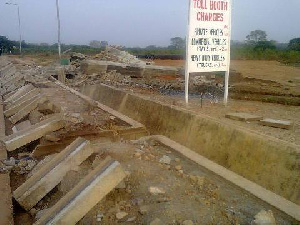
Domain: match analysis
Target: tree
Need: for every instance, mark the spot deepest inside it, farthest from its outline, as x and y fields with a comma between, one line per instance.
x=264, y=45
x=95, y=44
x=294, y=44
x=6, y=44
x=256, y=36
x=177, y=43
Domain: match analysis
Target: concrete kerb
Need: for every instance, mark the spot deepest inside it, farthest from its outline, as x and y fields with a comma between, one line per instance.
x=265, y=195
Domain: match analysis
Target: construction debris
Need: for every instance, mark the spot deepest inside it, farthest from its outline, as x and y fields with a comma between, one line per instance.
x=277, y=123
x=80, y=200
x=34, y=132
x=264, y=218
x=44, y=180
x=243, y=117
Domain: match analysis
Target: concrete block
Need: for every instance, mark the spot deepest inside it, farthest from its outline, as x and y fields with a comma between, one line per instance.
x=15, y=108
x=44, y=180
x=21, y=126
x=22, y=91
x=27, y=109
x=61, y=75
x=24, y=97
x=92, y=66
x=6, y=96
x=89, y=192
x=243, y=117
x=34, y=132
x=277, y=123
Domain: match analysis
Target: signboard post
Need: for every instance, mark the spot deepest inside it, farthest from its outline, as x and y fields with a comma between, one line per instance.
x=208, y=39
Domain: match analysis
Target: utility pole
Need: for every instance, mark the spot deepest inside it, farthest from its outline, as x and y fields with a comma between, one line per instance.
x=58, y=28
x=19, y=18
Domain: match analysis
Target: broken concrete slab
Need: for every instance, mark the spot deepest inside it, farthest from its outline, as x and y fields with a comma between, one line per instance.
x=243, y=117
x=34, y=132
x=21, y=126
x=61, y=75
x=92, y=66
x=276, y=123
x=15, y=108
x=22, y=91
x=23, y=98
x=44, y=180
x=81, y=199
x=27, y=109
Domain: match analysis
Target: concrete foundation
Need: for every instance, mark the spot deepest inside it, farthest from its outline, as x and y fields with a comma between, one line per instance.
x=267, y=161
x=45, y=179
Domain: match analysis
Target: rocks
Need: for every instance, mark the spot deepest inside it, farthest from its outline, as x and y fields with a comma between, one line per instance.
x=156, y=190
x=99, y=217
x=197, y=180
x=165, y=160
x=10, y=162
x=121, y=215
x=264, y=218
x=157, y=222
x=178, y=167
x=187, y=222
x=143, y=209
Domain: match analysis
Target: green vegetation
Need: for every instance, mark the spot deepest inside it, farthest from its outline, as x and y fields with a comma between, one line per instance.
x=256, y=47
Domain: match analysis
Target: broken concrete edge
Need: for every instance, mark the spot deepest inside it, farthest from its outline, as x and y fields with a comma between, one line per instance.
x=2, y=120
x=256, y=190
x=277, y=123
x=293, y=147
x=16, y=140
x=23, y=98
x=105, y=108
x=45, y=179
x=84, y=196
x=22, y=91
x=15, y=108
x=6, y=212
x=32, y=105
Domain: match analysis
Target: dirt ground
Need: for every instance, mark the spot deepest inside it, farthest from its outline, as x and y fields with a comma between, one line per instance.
x=190, y=192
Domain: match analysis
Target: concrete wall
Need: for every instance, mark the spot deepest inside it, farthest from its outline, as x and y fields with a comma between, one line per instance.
x=271, y=163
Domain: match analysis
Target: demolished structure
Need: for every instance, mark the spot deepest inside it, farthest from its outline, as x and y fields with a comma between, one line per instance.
x=74, y=160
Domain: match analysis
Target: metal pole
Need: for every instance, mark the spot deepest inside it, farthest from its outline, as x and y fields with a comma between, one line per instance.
x=187, y=72
x=228, y=67
x=58, y=27
x=20, y=30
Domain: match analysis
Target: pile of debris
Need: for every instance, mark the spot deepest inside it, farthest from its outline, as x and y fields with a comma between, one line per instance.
x=115, y=55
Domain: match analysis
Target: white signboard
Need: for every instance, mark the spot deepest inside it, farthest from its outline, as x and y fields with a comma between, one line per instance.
x=209, y=35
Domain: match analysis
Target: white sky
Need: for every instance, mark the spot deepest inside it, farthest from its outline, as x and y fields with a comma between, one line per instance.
x=139, y=22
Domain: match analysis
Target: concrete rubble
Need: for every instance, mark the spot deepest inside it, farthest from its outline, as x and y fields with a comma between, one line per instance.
x=65, y=160
x=92, y=189
x=44, y=180
x=243, y=117
x=277, y=123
